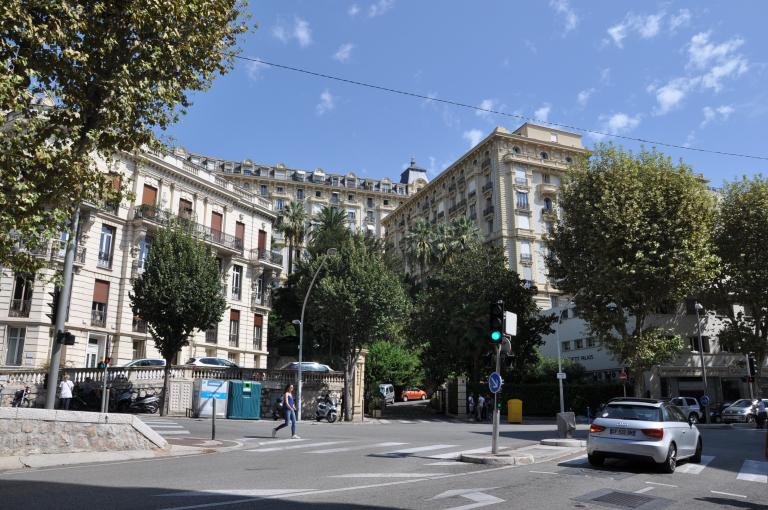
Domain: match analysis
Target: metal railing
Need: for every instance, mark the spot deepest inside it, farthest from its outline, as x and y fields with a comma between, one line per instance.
x=272, y=257
x=488, y=211
x=165, y=218
x=139, y=326
x=526, y=257
x=487, y=186
x=99, y=318
x=522, y=181
x=211, y=335
x=104, y=261
x=19, y=308
x=260, y=300
x=234, y=340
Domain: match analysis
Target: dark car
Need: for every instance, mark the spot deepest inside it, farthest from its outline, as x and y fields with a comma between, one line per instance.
x=716, y=413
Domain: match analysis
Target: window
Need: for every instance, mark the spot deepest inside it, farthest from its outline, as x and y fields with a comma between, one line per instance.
x=369, y=216
x=544, y=155
x=523, y=221
x=527, y=274
x=569, y=160
x=386, y=202
x=15, y=350
x=23, y=285
x=263, y=190
x=566, y=346
x=237, y=281
x=545, y=178
x=522, y=200
x=516, y=149
x=139, y=349
x=145, y=243
x=233, y=357
x=525, y=251
x=258, y=290
x=185, y=209
x=105, y=246
x=258, y=324
x=334, y=198
x=549, y=227
x=590, y=342
x=280, y=189
x=351, y=215
x=99, y=305
x=694, y=343
x=578, y=343
x=299, y=194
x=234, y=328
x=554, y=301
x=520, y=176
x=211, y=334
x=553, y=138
x=239, y=235
x=318, y=194
x=369, y=203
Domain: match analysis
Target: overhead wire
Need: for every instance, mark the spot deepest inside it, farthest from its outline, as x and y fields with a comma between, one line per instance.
x=497, y=112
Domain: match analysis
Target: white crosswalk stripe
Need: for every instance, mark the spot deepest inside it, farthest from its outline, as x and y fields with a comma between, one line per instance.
x=354, y=448
x=754, y=471
x=166, y=427
x=296, y=447
x=695, y=469
x=418, y=449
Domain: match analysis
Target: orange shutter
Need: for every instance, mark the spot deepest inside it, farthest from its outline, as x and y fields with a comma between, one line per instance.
x=240, y=230
x=258, y=320
x=101, y=291
x=234, y=315
x=149, y=197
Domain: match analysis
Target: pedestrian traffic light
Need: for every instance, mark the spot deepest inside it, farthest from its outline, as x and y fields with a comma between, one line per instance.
x=497, y=322
x=752, y=365
x=54, y=304
x=65, y=338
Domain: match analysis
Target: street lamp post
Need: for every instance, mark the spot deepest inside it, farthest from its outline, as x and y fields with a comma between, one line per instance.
x=331, y=251
x=698, y=308
x=559, y=360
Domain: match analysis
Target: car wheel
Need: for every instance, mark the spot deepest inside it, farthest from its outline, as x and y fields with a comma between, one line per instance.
x=405, y=399
x=423, y=397
x=669, y=465
x=697, y=455
x=596, y=460
x=693, y=418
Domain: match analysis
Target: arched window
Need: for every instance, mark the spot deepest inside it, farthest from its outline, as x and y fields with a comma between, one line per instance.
x=548, y=204
x=544, y=155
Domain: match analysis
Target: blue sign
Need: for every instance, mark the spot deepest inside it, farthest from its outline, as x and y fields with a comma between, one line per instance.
x=495, y=382
x=705, y=400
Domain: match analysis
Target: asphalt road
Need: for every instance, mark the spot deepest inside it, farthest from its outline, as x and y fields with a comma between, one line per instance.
x=389, y=465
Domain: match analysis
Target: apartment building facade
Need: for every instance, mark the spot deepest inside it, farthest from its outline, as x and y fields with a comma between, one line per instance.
x=113, y=245
x=366, y=202
x=507, y=185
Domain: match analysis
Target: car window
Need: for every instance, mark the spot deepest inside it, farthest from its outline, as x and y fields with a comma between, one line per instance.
x=676, y=401
x=667, y=414
x=677, y=414
x=691, y=402
x=191, y=360
x=209, y=361
x=631, y=412
x=156, y=362
x=742, y=403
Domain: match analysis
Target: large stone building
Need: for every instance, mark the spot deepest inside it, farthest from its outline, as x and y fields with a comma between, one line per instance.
x=114, y=242
x=367, y=202
x=507, y=184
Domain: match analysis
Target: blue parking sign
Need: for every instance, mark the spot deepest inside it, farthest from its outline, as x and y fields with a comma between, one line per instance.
x=705, y=400
x=495, y=382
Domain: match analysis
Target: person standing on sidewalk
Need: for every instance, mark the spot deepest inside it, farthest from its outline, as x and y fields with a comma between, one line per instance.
x=65, y=392
x=289, y=408
x=481, y=407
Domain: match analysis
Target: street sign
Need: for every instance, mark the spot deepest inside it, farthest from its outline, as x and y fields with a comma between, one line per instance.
x=495, y=382
x=705, y=400
x=561, y=375
x=510, y=323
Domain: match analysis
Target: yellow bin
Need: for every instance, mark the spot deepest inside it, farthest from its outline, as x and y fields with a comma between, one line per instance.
x=514, y=411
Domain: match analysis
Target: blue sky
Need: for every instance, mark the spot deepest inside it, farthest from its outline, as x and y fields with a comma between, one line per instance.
x=688, y=73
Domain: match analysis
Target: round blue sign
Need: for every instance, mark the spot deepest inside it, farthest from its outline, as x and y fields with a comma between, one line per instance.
x=495, y=382
x=705, y=400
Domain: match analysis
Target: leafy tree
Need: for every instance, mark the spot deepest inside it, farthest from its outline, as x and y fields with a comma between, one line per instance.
x=545, y=370
x=429, y=247
x=741, y=240
x=329, y=230
x=450, y=317
x=357, y=302
x=178, y=292
x=393, y=363
x=419, y=241
x=293, y=225
x=635, y=235
x=92, y=77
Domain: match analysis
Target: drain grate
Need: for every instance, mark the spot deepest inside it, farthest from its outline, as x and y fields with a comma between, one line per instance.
x=623, y=500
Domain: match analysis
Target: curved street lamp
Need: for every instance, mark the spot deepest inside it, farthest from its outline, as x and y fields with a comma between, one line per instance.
x=300, y=323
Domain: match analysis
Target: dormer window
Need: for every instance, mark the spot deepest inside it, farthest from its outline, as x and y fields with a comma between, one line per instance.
x=516, y=149
x=544, y=155
x=569, y=160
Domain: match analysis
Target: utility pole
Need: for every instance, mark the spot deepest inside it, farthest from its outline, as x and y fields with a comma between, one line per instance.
x=61, y=312
x=698, y=307
x=496, y=411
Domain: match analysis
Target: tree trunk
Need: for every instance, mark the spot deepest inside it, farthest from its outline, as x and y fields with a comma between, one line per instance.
x=166, y=387
x=290, y=256
x=349, y=376
x=639, y=376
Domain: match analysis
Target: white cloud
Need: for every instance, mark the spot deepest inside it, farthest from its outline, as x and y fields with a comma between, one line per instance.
x=646, y=26
x=583, y=97
x=301, y=32
x=618, y=33
x=669, y=96
x=473, y=136
x=542, y=113
x=532, y=47
x=605, y=76
x=681, y=19
x=326, y=104
x=485, y=104
x=616, y=124
x=254, y=69
x=719, y=60
x=569, y=16
x=344, y=52
x=719, y=113
x=354, y=10
x=380, y=8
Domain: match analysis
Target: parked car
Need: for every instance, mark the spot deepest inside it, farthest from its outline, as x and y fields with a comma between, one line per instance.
x=387, y=392
x=146, y=362
x=741, y=411
x=307, y=366
x=690, y=406
x=211, y=362
x=643, y=429
x=716, y=412
x=413, y=394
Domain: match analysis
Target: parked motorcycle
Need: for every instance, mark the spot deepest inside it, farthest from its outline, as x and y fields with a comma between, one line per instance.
x=146, y=403
x=327, y=409
x=277, y=410
x=21, y=398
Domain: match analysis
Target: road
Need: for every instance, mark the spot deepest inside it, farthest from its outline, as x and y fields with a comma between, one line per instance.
x=389, y=465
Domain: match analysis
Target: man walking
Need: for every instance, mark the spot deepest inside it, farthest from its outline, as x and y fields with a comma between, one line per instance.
x=481, y=407
x=65, y=392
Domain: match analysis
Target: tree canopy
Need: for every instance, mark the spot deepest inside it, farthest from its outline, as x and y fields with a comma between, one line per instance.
x=92, y=77
x=393, y=363
x=635, y=235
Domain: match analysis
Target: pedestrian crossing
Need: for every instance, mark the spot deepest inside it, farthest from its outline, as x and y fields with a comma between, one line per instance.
x=389, y=421
x=166, y=427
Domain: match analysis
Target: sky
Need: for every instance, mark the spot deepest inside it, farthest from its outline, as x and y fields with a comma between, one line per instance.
x=688, y=73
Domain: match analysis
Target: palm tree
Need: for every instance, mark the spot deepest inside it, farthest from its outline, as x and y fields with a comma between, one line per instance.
x=442, y=244
x=329, y=229
x=293, y=225
x=419, y=244
x=464, y=234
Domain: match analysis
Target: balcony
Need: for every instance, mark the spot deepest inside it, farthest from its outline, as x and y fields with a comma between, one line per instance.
x=488, y=211
x=547, y=189
x=234, y=340
x=19, y=308
x=104, y=261
x=472, y=194
x=260, y=301
x=271, y=258
x=99, y=318
x=487, y=187
x=521, y=181
x=549, y=213
x=522, y=206
x=58, y=252
x=441, y=214
x=486, y=165
x=139, y=326
x=158, y=216
x=211, y=334
x=526, y=258
x=451, y=188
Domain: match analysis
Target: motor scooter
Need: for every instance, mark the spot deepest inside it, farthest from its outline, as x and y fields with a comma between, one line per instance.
x=327, y=409
x=146, y=403
x=20, y=398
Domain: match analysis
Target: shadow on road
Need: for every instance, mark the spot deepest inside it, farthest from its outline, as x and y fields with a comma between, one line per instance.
x=733, y=503
x=418, y=410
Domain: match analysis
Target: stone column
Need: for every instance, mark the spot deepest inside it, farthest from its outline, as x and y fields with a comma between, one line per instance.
x=358, y=387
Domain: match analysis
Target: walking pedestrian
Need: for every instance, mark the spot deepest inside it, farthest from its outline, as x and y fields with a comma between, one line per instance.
x=761, y=414
x=481, y=406
x=289, y=408
x=65, y=392
x=471, y=405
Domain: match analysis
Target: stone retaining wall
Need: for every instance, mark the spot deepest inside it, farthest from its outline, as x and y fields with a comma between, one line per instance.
x=37, y=431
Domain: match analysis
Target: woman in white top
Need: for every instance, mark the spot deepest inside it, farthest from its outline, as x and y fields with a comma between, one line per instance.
x=65, y=396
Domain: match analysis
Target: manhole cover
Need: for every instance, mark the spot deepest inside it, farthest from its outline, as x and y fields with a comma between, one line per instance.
x=622, y=499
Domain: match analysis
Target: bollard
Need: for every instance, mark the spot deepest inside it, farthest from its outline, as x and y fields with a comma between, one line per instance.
x=213, y=420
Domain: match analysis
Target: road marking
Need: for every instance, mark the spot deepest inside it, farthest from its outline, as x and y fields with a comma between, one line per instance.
x=754, y=471
x=479, y=498
x=543, y=472
x=407, y=421
x=456, y=455
x=158, y=426
x=644, y=489
x=352, y=448
x=408, y=451
x=172, y=432
x=389, y=475
x=385, y=422
x=278, y=441
x=306, y=445
x=234, y=492
x=662, y=484
x=696, y=469
x=443, y=463
x=576, y=461
x=729, y=494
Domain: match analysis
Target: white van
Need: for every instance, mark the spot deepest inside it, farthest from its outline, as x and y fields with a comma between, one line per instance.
x=388, y=392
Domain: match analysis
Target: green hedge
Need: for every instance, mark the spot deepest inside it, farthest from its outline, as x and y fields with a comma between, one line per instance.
x=543, y=399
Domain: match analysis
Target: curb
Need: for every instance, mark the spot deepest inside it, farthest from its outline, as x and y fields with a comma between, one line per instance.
x=567, y=443
x=500, y=459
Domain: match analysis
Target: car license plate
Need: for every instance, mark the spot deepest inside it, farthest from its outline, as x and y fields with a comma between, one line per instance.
x=622, y=432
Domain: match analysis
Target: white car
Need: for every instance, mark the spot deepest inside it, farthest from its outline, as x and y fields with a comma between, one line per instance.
x=211, y=362
x=146, y=362
x=690, y=407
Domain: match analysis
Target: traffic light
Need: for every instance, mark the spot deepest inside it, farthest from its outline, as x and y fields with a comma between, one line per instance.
x=65, y=338
x=497, y=322
x=54, y=304
x=752, y=368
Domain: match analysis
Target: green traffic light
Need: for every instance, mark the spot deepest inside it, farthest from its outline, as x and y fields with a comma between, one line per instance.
x=495, y=336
